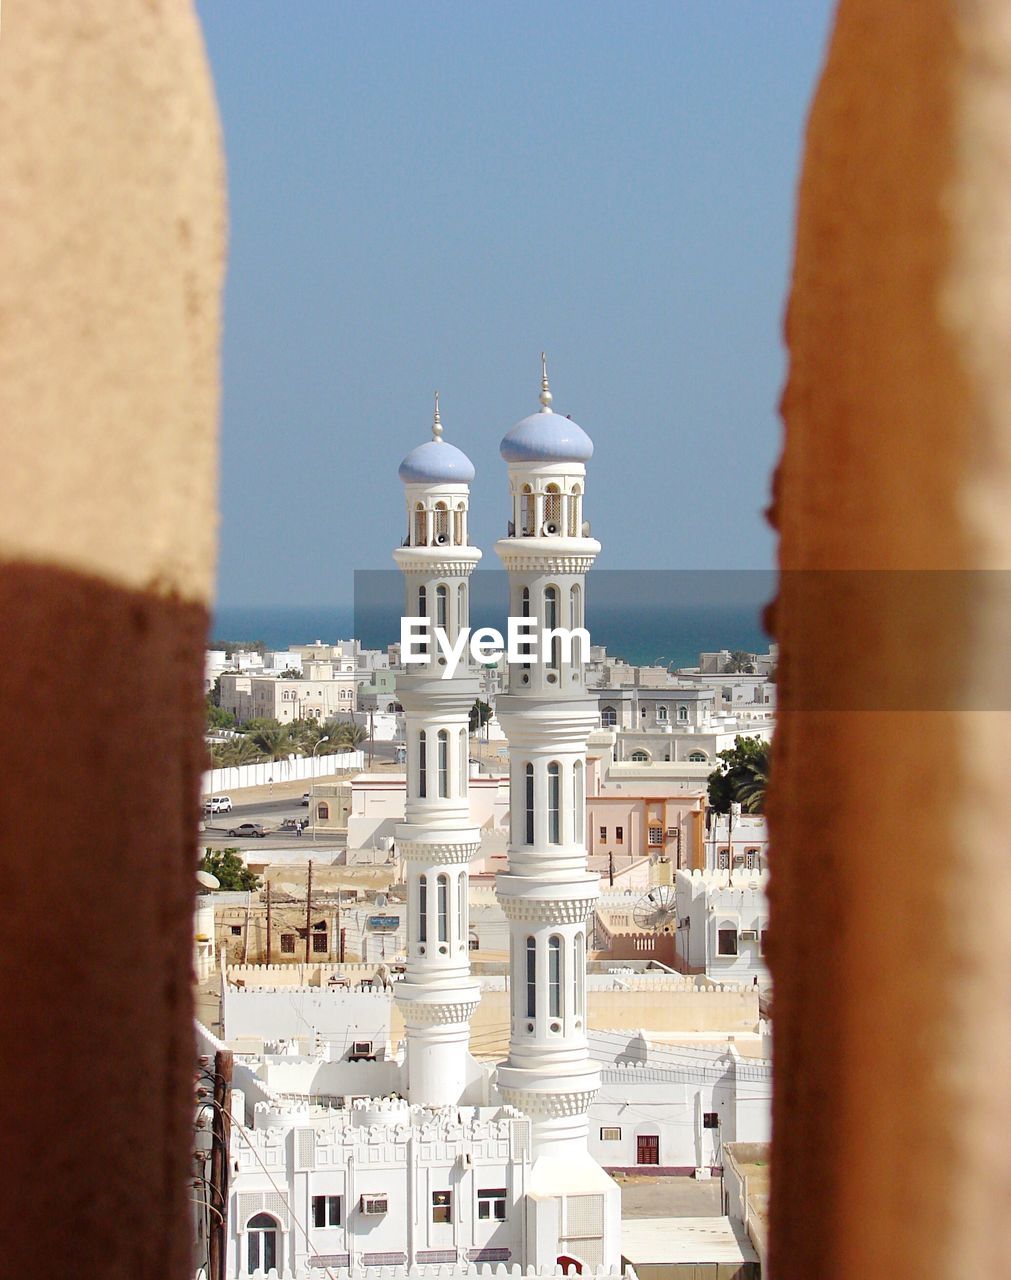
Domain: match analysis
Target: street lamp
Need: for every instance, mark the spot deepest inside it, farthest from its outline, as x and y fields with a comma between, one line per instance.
x=312, y=788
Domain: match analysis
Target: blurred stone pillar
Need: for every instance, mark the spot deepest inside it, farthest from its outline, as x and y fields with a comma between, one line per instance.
x=111, y=262
x=890, y=810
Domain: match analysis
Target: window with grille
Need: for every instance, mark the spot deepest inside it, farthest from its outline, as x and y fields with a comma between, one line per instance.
x=319, y=942
x=619, y=835
x=610, y=1134
x=531, y=978
x=723, y=859
x=422, y=908
x=655, y=834
x=529, y=804
x=603, y=833
x=422, y=765
x=442, y=889
x=711, y=1120
x=554, y=802
x=443, y=764
x=555, y=977
x=727, y=942
x=288, y=943
x=491, y=1204
x=442, y=1206
x=608, y=717
x=326, y=1211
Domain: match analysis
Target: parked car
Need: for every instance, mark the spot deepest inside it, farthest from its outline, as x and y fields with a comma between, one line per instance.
x=248, y=829
x=305, y=798
x=218, y=804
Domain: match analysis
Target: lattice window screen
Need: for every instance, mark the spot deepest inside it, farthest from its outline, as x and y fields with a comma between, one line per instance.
x=305, y=1150
x=278, y=1206
x=584, y=1216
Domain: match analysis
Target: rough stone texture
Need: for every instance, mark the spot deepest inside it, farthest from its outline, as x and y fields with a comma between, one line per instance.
x=890, y=892
x=110, y=271
x=111, y=263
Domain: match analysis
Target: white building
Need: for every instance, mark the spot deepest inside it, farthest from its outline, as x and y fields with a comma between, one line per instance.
x=671, y=1107
x=723, y=921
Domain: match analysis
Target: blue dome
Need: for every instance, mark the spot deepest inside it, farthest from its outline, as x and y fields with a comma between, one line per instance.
x=436, y=462
x=546, y=437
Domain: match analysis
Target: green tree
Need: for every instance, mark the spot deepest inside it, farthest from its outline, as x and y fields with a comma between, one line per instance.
x=229, y=870
x=274, y=743
x=348, y=735
x=742, y=776
x=739, y=662
x=218, y=717
x=480, y=714
x=259, y=722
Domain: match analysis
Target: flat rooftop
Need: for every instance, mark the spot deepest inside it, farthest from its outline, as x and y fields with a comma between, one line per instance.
x=681, y=1241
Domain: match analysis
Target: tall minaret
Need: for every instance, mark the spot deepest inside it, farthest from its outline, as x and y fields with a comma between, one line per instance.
x=547, y=893
x=437, y=840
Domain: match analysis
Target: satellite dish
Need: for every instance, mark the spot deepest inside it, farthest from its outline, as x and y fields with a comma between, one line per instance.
x=657, y=910
x=207, y=881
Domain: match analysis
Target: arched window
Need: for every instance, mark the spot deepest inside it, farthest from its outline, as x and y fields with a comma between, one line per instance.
x=442, y=606
x=578, y=802
x=443, y=764
x=554, y=802
x=553, y=508
x=608, y=717
x=461, y=606
x=423, y=613
x=422, y=764
x=578, y=974
x=261, y=1236
x=464, y=763
x=696, y=757
x=662, y=715
x=639, y=757
x=527, y=511
x=554, y=976
x=682, y=715
x=458, y=525
x=442, y=906
x=531, y=978
x=529, y=804
x=461, y=902
x=525, y=613
x=574, y=512
x=441, y=524
x=575, y=607
x=550, y=622
x=423, y=908
x=323, y=811
x=419, y=525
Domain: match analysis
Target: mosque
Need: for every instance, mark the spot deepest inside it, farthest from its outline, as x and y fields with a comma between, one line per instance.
x=350, y=1160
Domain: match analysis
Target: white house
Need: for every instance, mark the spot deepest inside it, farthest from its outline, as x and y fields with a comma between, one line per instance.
x=722, y=923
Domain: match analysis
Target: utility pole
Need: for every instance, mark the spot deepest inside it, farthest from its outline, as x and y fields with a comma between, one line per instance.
x=308, y=913
x=372, y=728
x=217, y=1243
x=270, y=947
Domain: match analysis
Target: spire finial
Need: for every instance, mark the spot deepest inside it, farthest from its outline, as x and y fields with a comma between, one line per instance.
x=437, y=421
x=545, y=389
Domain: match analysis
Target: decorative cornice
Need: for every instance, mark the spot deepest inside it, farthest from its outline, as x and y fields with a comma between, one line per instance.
x=447, y=854
x=425, y=1013
x=547, y=910
x=524, y=562
x=548, y=1105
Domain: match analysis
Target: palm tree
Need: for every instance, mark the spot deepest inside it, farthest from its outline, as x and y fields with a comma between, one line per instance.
x=751, y=792
x=347, y=736
x=273, y=744
x=239, y=751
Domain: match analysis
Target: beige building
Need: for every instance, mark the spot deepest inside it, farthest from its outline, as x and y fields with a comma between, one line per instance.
x=320, y=693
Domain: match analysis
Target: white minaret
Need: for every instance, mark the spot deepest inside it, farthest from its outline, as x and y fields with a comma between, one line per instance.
x=547, y=893
x=437, y=839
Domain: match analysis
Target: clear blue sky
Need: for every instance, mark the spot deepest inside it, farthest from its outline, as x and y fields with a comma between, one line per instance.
x=427, y=194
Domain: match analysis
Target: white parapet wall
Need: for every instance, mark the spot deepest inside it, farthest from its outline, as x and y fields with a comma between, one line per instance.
x=448, y=1270
x=235, y=778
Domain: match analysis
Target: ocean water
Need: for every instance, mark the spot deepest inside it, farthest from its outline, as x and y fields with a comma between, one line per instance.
x=643, y=616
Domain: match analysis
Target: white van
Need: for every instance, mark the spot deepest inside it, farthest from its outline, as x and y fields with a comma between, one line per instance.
x=218, y=804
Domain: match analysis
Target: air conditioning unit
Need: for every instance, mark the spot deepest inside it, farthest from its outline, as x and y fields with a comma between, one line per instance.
x=361, y=1049
x=550, y=529
x=375, y=1205
x=749, y=935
